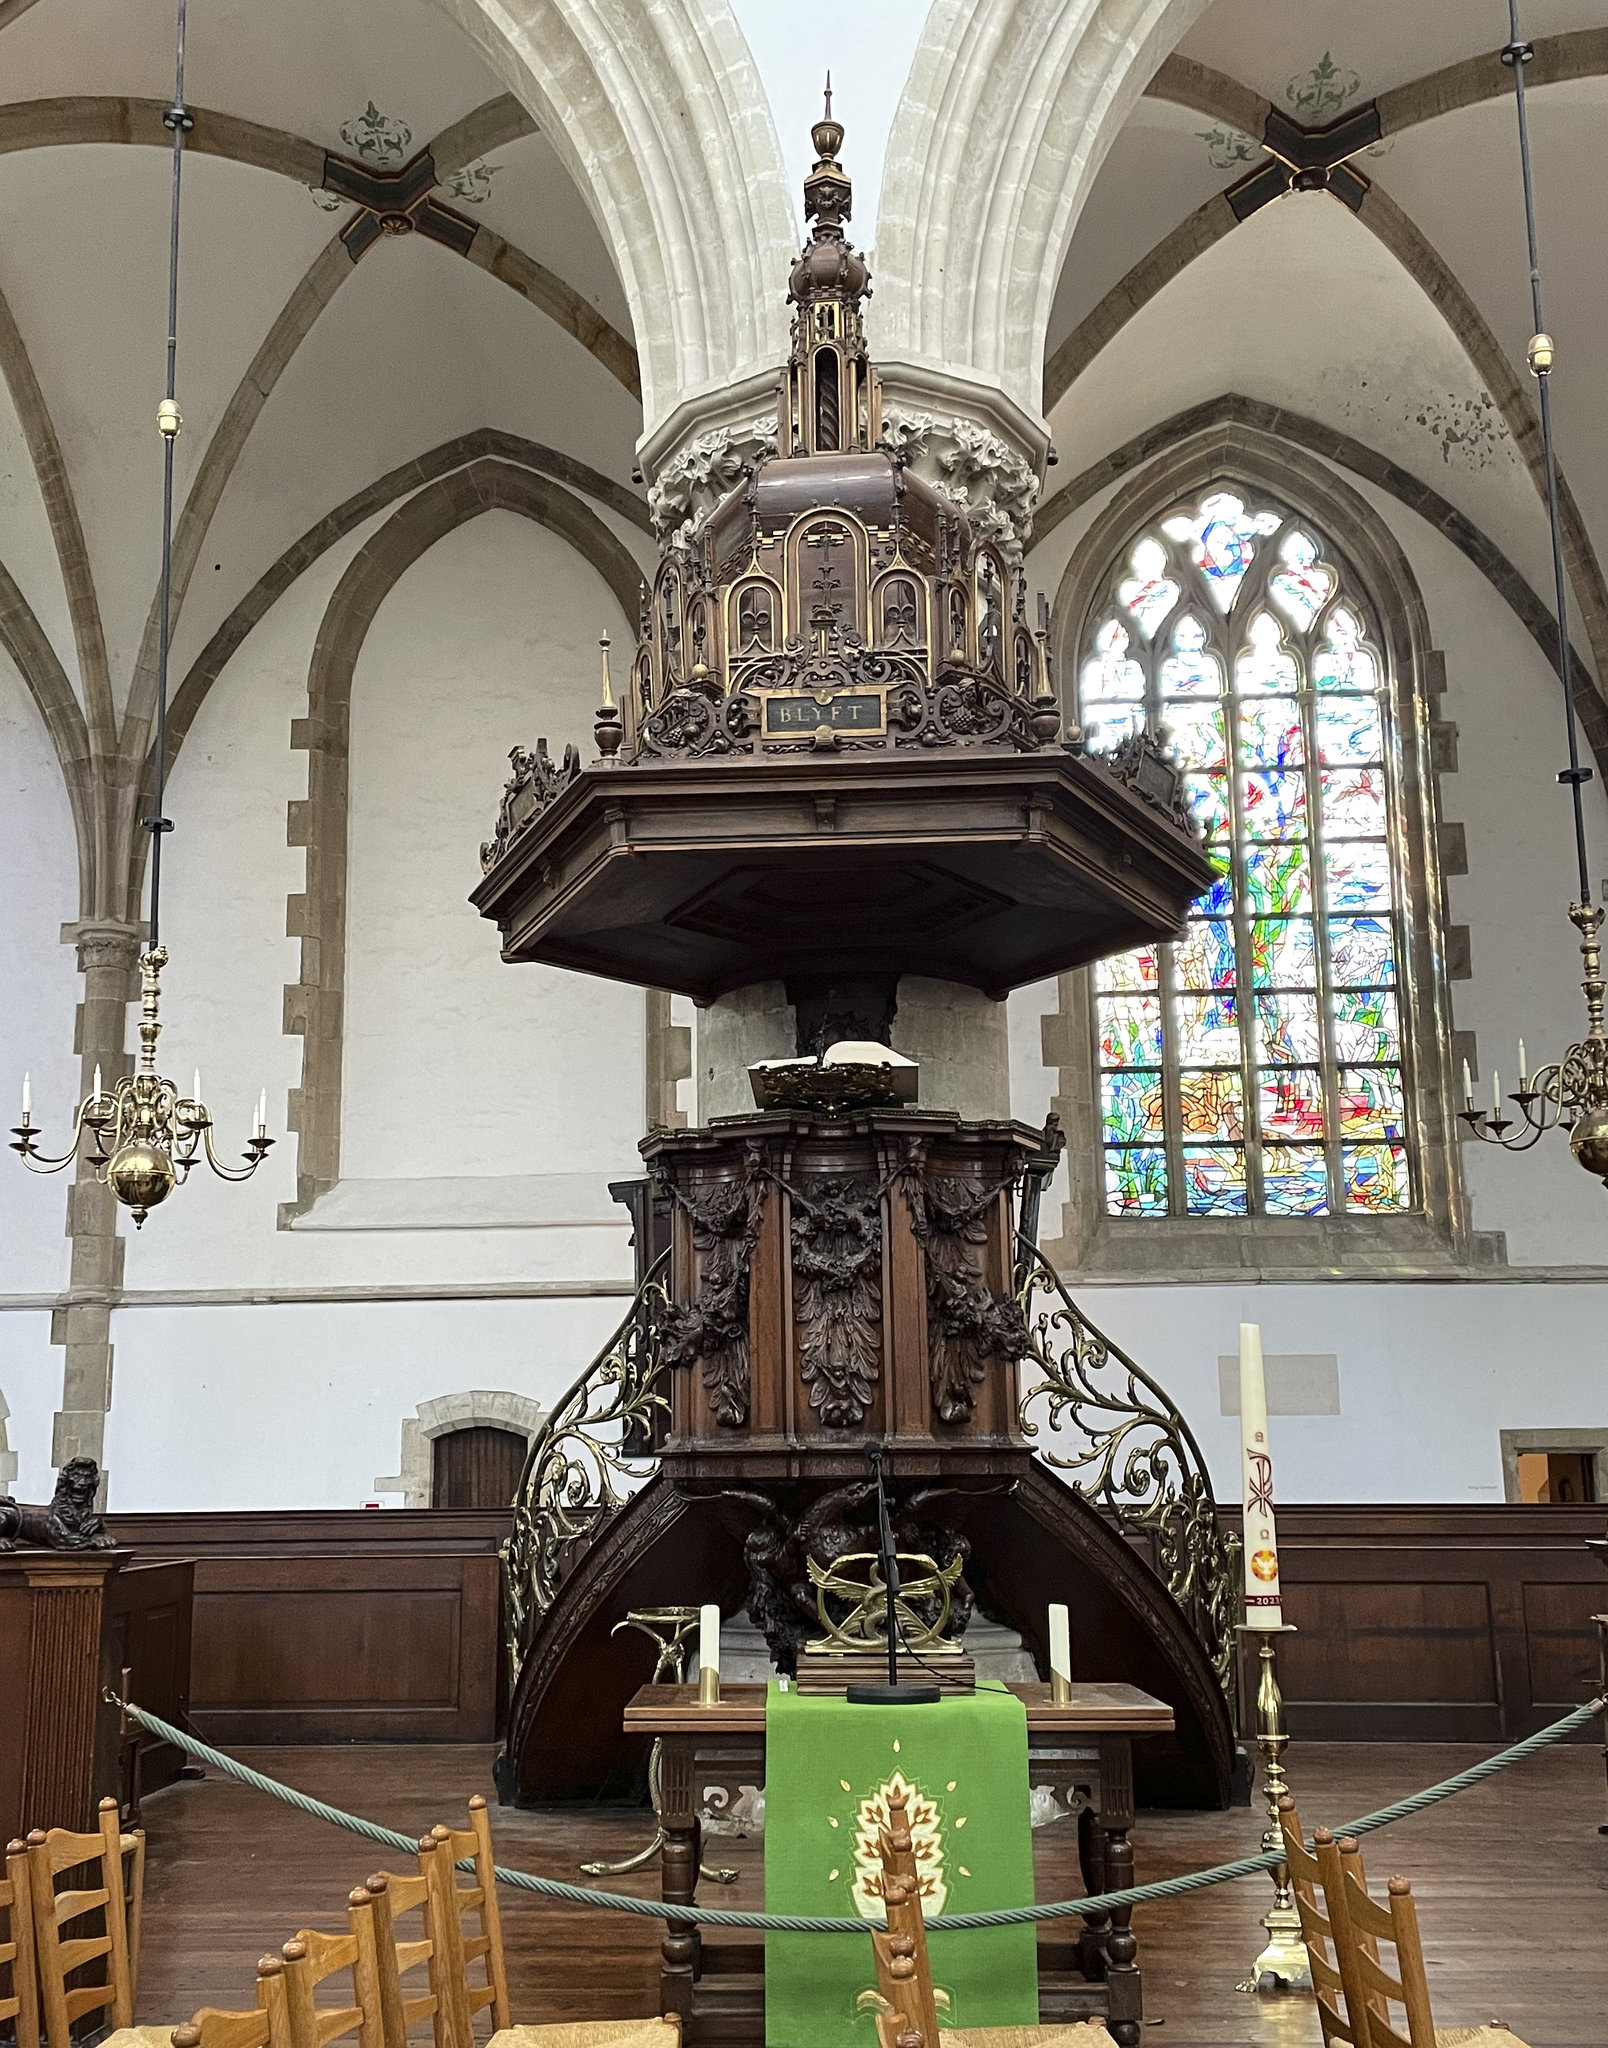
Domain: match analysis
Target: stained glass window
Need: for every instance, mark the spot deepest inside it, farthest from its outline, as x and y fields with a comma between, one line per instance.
x=1254, y=1066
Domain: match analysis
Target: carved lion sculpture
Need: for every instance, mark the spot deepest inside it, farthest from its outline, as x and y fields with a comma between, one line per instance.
x=69, y=1523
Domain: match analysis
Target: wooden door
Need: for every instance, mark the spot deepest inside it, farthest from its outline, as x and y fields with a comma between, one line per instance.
x=477, y=1468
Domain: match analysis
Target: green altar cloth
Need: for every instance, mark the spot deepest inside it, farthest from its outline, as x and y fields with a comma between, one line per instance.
x=828, y=1770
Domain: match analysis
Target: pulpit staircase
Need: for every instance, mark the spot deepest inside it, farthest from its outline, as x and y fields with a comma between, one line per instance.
x=1114, y=1514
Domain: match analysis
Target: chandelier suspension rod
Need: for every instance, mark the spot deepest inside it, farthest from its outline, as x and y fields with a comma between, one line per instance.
x=1516, y=55
x=178, y=121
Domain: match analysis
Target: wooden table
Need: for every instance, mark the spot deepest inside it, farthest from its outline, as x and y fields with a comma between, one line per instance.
x=716, y=1979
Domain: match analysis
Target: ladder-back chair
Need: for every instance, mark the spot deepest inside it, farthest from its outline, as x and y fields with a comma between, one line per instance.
x=311, y=1958
x=1360, y=1926
x=403, y=2007
x=456, y=1946
x=904, y=1972
x=1323, y=1951
x=20, y=2005
x=52, y=1852
x=265, y=2025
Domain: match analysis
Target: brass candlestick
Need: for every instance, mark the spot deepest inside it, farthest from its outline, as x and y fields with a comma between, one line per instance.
x=708, y=1685
x=1284, y=1959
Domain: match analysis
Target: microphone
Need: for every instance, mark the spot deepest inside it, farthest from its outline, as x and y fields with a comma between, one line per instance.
x=893, y=1693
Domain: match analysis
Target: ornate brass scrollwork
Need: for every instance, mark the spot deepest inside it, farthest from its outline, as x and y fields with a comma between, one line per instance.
x=1126, y=1447
x=594, y=1453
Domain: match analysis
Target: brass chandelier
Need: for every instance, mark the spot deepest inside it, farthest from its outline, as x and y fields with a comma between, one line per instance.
x=1570, y=1093
x=145, y=1135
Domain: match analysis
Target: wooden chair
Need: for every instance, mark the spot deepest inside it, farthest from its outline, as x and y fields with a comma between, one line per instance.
x=453, y=1949
x=49, y=1854
x=450, y=1905
x=904, y=1973
x=311, y=1958
x=265, y=2025
x=1323, y=1957
x=402, y=2007
x=21, y=2003
x=1359, y=1925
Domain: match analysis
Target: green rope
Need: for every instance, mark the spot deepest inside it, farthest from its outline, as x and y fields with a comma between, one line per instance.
x=794, y=1923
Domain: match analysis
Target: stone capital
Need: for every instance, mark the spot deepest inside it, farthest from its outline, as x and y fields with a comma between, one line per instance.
x=104, y=943
x=704, y=448
x=972, y=442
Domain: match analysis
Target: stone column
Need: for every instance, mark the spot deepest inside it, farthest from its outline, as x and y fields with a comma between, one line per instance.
x=107, y=956
x=956, y=1033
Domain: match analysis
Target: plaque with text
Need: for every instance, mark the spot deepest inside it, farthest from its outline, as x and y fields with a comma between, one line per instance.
x=797, y=714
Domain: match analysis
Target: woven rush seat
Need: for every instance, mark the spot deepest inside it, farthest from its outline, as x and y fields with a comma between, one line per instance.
x=654, y=2033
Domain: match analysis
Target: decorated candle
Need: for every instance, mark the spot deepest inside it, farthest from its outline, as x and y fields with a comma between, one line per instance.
x=709, y=1639
x=1060, y=1643
x=1263, y=1608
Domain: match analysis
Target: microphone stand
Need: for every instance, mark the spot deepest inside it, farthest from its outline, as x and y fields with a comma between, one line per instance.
x=893, y=1693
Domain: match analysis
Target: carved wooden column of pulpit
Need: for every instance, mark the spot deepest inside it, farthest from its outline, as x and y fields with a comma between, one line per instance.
x=57, y=1738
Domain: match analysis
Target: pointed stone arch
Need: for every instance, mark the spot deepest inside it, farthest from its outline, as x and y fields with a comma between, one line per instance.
x=315, y=1003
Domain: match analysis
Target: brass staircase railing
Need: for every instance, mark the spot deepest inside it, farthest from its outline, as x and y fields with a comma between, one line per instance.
x=1123, y=1444
x=1092, y=1413
x=597, y=1448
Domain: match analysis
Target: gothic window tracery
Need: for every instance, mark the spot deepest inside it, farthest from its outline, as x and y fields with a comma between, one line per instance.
x=899, y=613
x=1256, y=1066
x=756, y=631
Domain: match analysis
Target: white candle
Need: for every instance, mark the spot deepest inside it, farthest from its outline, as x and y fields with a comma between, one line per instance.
x=1060, y=1643
x=709, y=1639
x=1263, y=1605
x=27, y=1096
x=97, y=1089
x=195, y=1086
x=262, y=1113
x=1524, y=1071
x=1468, y=1087
x=1496, y=1093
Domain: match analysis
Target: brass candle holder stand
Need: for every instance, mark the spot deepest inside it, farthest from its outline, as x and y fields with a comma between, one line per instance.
x=671, y=1630
x=708, y=1685
x=1284, y=1959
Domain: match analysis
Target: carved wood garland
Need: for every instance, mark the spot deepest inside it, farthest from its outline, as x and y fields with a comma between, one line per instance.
x=967, y=1324
x=712, y=1330
x=837, y=1277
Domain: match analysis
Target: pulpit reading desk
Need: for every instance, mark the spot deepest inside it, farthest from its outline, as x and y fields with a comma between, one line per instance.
x=1082, y=1748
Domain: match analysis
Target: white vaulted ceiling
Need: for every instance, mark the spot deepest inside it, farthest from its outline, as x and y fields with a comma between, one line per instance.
x=303, y=376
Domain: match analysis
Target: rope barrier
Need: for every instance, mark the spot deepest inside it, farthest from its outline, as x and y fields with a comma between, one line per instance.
x=794, y=1923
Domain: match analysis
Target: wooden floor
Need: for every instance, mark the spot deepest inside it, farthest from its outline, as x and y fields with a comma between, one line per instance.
x=1512, y=1880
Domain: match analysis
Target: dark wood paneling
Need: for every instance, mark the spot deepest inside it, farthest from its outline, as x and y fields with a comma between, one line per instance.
x=1563, y=1643
x=1429, y=1623
x=476, y=1468
x=147, y=1632
x=1437, y=1623
x=338, y=1627
x=53, y=1741
x=1356, y=1642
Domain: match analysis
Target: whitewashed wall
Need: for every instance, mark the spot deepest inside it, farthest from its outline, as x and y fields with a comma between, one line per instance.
x=476, y=1094
x=38, y=894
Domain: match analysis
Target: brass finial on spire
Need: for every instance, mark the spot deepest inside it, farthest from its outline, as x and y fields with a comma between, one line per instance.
x=827, y=190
